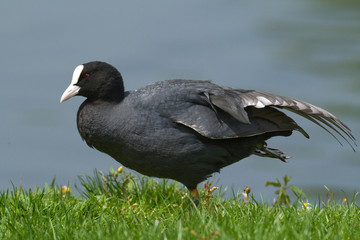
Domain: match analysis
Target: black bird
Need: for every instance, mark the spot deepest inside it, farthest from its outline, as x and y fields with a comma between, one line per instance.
x=184, y=129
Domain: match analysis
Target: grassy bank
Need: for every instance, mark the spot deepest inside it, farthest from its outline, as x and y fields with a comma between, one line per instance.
x=118, y=206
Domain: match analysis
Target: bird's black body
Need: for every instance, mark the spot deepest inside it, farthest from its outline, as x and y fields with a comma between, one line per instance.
x=184, y=129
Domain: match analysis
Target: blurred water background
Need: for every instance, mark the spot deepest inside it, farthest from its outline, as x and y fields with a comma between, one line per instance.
x=304, y=49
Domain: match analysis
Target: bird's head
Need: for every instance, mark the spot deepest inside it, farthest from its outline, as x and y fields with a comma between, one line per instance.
x=95, y=80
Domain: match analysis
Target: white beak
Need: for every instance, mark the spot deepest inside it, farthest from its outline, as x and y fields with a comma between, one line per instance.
x=71, y=91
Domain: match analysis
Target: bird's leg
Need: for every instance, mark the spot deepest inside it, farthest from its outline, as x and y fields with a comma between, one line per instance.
x=195, y=197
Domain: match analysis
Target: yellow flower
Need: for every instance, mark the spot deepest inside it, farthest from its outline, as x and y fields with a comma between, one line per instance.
x=246, y=194
x=65, y=190
x=118, y=171
x=307, y=206
x=213, y=189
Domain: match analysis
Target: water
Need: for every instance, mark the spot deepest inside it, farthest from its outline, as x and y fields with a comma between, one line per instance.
x=308, y=50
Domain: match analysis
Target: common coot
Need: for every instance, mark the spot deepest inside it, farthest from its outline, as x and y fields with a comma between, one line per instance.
x=185, y=129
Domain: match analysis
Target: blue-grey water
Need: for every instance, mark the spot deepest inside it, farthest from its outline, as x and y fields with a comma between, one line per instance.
x=306, y=49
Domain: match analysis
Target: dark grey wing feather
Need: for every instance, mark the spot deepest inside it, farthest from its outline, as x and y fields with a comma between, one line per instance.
x=231, y=102
x=216, y=124
x=218, y=113
x=313, y=113
x=222, y=112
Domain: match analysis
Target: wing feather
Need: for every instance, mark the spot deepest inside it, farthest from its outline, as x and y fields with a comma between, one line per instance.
x=203, y=100
x=309, y=111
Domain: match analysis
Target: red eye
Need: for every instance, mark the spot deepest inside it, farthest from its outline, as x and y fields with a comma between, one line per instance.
x=87, y=76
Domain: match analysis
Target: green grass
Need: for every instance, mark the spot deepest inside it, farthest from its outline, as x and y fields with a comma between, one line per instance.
x=123, y=207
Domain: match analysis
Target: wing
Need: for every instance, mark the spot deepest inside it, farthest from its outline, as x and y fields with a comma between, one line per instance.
x=243, y=99
x=221, y=125
x=222, y=112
